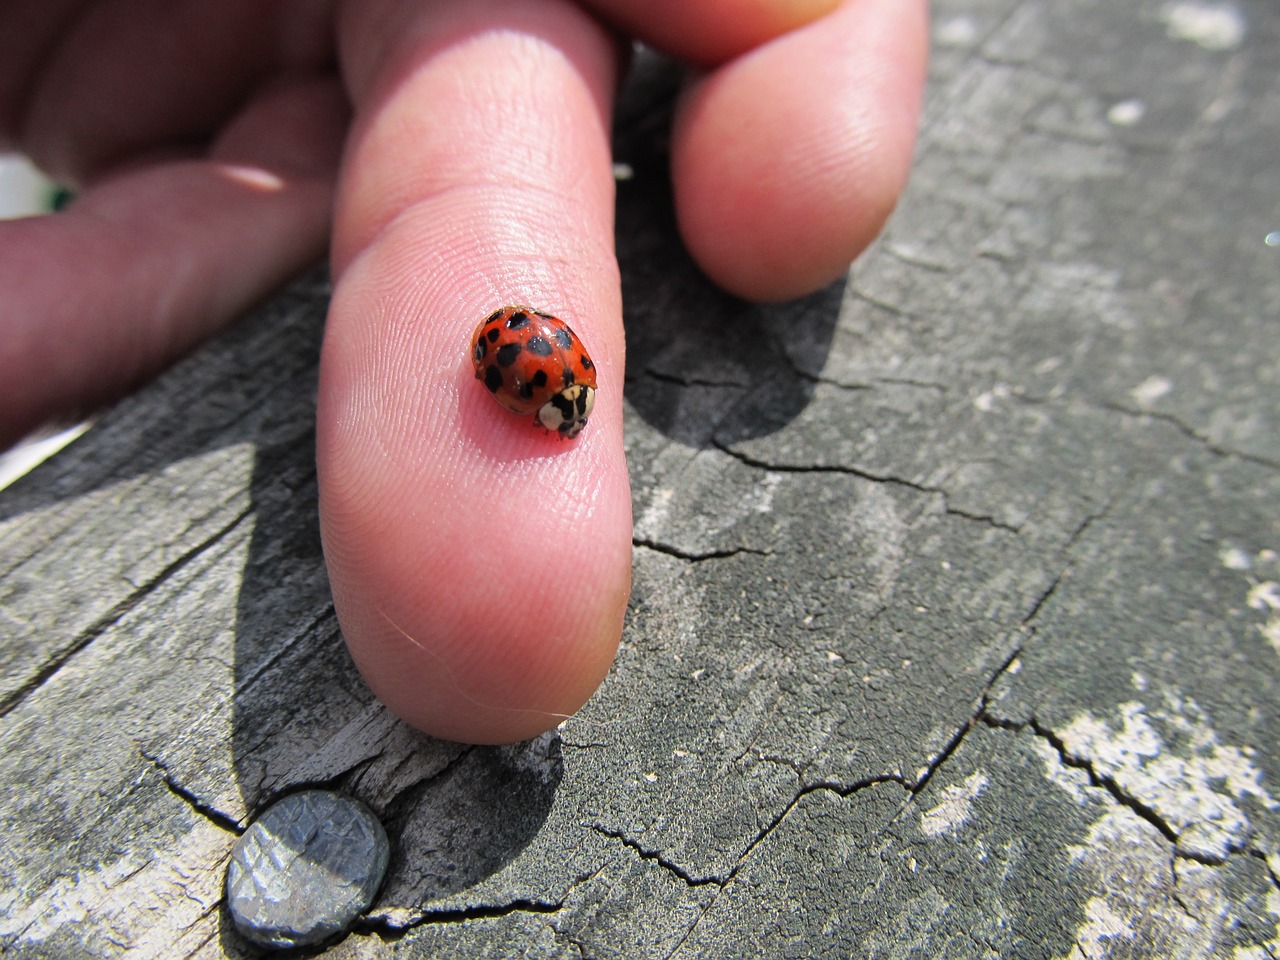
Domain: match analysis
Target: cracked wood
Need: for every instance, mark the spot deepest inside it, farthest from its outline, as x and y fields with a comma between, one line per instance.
x=954, y=627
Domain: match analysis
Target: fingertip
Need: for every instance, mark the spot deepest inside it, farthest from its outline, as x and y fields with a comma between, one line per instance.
x=709, y=32
x=775, y=203
x=485, y=669
x=480, y=567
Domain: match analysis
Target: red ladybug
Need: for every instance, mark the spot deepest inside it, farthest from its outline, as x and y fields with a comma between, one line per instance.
x=533, y=363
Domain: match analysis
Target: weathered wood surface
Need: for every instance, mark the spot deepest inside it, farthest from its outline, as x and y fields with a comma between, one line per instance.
x=956, y=622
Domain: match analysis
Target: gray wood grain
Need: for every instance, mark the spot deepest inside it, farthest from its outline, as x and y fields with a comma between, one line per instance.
x=956, y=620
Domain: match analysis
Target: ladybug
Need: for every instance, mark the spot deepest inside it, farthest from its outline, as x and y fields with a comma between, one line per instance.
x=533, y=363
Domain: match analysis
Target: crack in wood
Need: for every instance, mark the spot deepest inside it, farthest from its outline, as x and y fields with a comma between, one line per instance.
x=693, y=926
x=696, y=557
x=890, y=308
x=863, y=474
x=870, y=385
x=1157, y=416
x=268, y=797
x=957, y=738
x=1076, y=535
x=328, y=613
x=1266, y=862
x=1191, y=433
x=389, y=931
x=1103, y=781
x=655, y=856
x=116, y=614
x=396, y=808
x=686, y=381
x=842, y=790
x=1130, y=802
x=223, y=821
x=1175, y=894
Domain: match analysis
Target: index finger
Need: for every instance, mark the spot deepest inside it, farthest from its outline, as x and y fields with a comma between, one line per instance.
x=480, y=567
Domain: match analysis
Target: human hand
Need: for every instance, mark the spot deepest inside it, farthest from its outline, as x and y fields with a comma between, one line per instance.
x=480, y=568
x=204, y=142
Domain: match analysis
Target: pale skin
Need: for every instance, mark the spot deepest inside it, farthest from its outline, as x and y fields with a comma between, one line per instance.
x=454, y=157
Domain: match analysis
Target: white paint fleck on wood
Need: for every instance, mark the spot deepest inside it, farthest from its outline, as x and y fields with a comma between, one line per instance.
x=1197, y=785
x=1214, y=26
x=953, y=810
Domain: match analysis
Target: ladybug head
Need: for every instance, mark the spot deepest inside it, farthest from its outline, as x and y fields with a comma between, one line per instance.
x=567, y=411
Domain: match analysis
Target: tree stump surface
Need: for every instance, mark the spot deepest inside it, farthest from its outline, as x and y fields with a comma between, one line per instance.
x=956, y=620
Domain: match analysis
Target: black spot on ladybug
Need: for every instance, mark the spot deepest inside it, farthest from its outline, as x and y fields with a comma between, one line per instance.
x=482, y=347
x=562, y=404
x=586, y=362
x=563, y=338
x=569, y=378
x=518, y=320
x=539, y=347
x=507, y=353
x=526, y=391
x=493, y=336
x=493, y=379
x=539, y=379
x=496, y=315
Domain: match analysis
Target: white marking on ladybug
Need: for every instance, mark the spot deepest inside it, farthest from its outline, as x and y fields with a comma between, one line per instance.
x=566, y=413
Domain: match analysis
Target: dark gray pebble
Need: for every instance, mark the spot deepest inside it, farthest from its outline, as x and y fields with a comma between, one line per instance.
x=305, y=870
